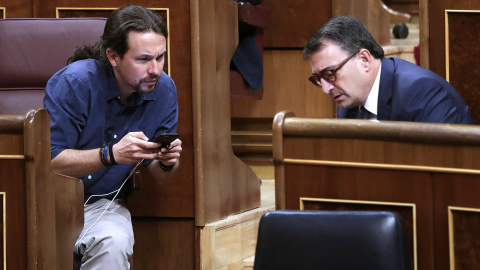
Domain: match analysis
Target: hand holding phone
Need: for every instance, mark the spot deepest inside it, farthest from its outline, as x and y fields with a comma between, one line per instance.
x=166, y=138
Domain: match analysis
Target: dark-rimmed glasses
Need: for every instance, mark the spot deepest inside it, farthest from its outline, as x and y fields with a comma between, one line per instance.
x=328, y=74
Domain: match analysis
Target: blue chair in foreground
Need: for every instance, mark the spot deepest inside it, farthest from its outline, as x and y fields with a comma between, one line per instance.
x=331, y=240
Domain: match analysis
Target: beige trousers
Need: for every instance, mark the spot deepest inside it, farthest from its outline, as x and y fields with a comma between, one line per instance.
x=109, y=243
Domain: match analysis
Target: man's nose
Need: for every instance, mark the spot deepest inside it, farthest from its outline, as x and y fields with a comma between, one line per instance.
x=326, y=86
x=154, y=68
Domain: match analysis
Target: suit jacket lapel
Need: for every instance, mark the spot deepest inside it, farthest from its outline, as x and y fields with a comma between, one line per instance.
x=385, y=91
x=353, y=113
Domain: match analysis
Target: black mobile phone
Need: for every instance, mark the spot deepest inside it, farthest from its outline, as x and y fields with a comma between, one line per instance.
x=165, y=138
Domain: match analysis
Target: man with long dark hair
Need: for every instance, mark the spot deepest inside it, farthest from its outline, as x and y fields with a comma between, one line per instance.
x=350, y=66
x=105, y=107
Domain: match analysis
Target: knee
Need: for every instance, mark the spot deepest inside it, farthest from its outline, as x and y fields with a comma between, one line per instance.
x=117, y=243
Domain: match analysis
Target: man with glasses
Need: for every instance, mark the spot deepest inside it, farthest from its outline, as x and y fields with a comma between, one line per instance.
x=350, y=66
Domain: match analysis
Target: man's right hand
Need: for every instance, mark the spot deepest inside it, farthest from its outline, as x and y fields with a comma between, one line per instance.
x=134, y=147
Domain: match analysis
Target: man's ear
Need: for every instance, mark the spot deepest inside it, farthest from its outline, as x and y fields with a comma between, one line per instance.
x=365, y=59
x=112, y=57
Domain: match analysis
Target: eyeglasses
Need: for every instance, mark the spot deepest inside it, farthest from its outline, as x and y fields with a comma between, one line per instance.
x=328, y=74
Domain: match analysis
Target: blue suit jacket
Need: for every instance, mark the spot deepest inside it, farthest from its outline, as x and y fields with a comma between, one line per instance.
x=411, y=93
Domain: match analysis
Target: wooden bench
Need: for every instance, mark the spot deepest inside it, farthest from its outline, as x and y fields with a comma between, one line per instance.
x=42, y=211
x=428, y=173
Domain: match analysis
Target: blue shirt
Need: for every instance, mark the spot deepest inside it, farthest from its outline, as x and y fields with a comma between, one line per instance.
x=83, y=101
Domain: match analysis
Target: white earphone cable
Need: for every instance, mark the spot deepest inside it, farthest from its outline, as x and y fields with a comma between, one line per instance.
x=117, y=192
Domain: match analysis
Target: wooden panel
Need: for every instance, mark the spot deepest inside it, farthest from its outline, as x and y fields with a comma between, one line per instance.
x=15, y=147
x=436, y=29
x=225, y=244
x=461, y=44
x=456, y=190
x=369, y=12
x=47, y=9
x=286, y=87
x=3, y=236
x=16, y=9
x=464, y=228
x=294, y=21
x=373, y=189
x=79, y=12
x=68, y=216
x=12, y=187
x=382, y=152
x=164, y=243
x=223, y=184
x=336, y=182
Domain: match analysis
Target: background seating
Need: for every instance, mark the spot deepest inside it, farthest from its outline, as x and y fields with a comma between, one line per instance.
x=36, y=49
x=311, y=240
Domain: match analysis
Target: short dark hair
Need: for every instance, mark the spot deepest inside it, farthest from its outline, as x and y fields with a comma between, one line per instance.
x=347, y=32
x=115, y=34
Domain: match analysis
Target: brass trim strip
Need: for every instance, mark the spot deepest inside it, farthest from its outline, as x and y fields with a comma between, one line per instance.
x=447, y=49
x=58, y=9
x=451, y=252
x=251, y=133
x=381, y=166
x=12, y=157
x=412, y=205
x=4, y=197
x=302, y=199
x=253, y=144
x=447, y=44
x=451, y=238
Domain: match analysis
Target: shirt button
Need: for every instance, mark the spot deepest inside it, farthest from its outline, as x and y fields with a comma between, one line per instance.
x=89, y=177
x=115, y=136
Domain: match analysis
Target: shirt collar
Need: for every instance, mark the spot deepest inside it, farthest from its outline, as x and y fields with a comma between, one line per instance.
x=372, y=100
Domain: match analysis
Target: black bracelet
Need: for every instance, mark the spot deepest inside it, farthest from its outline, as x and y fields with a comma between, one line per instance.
x=164, y=167
x=103, y=158
x=110, y=152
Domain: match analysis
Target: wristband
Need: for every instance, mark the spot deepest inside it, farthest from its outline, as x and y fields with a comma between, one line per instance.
x=112, y=158
x=164, y=167
x=103, y=157
x=106, y=151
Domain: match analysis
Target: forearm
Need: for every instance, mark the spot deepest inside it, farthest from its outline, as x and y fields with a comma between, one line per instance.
x=77, y=163
x=132, y=148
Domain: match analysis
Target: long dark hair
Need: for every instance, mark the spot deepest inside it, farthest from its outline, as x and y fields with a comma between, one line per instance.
x=347, y=32
x=115, y=35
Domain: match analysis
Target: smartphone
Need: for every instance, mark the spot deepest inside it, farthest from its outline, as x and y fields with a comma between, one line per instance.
x=165, y=138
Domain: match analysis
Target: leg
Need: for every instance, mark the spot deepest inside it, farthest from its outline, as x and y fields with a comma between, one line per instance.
x=109, y=243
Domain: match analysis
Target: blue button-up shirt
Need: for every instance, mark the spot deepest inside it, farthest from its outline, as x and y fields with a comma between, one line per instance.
x=83, y=101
